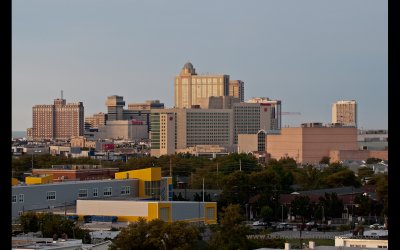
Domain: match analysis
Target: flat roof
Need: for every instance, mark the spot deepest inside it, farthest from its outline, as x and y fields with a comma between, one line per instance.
x=72, y=182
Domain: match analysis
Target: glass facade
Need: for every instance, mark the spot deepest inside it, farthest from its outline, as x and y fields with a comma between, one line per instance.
x=152, y=189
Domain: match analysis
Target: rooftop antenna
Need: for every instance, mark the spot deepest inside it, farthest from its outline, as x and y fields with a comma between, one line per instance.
x=61, y=94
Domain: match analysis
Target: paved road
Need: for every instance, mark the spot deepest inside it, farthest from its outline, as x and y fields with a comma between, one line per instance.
x=306, y=234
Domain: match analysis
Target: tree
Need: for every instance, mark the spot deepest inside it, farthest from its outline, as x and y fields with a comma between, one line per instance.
x=199, y=197
x=29, y=222
x=180, y=235
x=157, y=234
x=365, y=172
x=230, y=233
x=134, y=236
x=333, y=206
x=373, y=160
x=333, y=168
x=325, y=160
x=267, y=213
x=310, y=178
x=50, y=224
x=301, y=207
x=382, y=191
x=343, y=178
x=236, y=188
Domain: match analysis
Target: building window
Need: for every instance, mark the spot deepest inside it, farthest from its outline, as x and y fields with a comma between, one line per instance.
x=95, y=192
x=210, y=213
x=14, y=199
x=21, y=198
x=152, y=188
x=83, y=193
x=51, y=195
x=20, y=213
x=125, y=190
x=107, y=191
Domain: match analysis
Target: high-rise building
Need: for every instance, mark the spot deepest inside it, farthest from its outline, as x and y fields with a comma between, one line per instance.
x=95, y=121
x=182, y=128
x=189, y=86
x=149, y=104
x=236, y=89
x=345, y=113
x=58, y=121
x=276, y=110
x=136, y=111
x=115, y=107
x=179, y=129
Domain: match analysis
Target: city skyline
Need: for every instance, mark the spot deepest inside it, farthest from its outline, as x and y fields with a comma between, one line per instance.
x=308, y=55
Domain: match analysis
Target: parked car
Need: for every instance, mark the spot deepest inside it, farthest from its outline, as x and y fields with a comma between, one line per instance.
x=261, y=223
x=310, y=225
x=376, y=226
x=284, y=226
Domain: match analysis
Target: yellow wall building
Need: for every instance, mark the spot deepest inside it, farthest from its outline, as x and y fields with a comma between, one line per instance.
x=39, y=179
x=14, y=181
x=151, y=184
x=131, y=211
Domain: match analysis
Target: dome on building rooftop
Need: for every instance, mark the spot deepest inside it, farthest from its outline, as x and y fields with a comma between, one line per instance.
x=188, y=69
x=189, y=66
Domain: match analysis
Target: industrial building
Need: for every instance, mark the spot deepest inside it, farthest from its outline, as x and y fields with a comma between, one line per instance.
x=50, y=196
x=39, y=195
x=169, y=211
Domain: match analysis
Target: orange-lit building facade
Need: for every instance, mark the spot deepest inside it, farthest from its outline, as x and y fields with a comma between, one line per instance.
x=308, y=144
x=57, y=121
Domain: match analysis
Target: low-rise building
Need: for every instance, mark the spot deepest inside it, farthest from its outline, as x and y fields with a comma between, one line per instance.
x=39, y=179
x=62, y=194
x=142, y=184
x=77, y=172
x=369, y=239
x=131, y=210
x=338, y=155
x=310, y=142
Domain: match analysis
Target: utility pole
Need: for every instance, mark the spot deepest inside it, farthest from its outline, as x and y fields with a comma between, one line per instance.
x=203, y=189
x=170, y=167
x=240, y=164
x=32, y=161
x=217, y=176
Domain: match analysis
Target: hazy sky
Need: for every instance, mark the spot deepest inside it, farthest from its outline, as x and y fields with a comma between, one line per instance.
x=308, y=54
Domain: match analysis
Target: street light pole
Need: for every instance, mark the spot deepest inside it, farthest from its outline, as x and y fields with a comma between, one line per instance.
x=34, y=151
x=32, y=162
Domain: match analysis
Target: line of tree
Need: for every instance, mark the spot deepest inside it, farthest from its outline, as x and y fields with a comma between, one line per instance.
x=240, y=177
x=50, y=224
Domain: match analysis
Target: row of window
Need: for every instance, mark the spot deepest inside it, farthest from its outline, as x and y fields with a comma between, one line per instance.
x=20, y=198
x=83, y=193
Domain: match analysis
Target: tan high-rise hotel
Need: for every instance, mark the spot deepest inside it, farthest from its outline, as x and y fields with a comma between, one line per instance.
x=58, y=121
x=191, y=88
